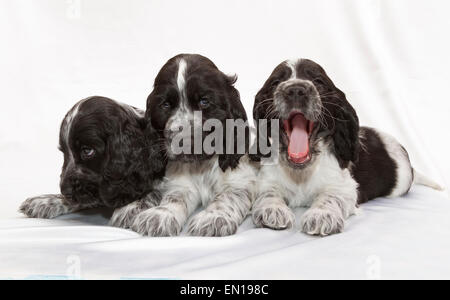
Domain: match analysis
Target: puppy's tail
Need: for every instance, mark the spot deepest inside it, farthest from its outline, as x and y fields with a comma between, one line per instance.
x=421, y=179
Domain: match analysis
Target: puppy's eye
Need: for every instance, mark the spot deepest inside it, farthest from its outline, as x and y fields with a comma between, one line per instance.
x=87, y=153
x=204, y=102
x=320, y=85
x=165, y=105
x=275, y=83
x=319, y=82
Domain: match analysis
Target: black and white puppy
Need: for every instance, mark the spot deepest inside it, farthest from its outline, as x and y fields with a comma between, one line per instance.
x=327, y=162
x=221, y=182
x=109, y=159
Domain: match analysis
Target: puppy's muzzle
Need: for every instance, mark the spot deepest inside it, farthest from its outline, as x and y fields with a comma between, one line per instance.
x=298, y=93
x=77, y=187
x=297, y=96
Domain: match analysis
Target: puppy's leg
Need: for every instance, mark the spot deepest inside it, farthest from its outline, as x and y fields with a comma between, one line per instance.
x=168, y=218
x=328, y=213
x=271, y=211
x=124, y=217
x=47, y=207
x=224, y=215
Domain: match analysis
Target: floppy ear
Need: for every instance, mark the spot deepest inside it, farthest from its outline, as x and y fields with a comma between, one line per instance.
x=236, y=112
x=131, y=166
x=343, y=124
x=155, y=152
x=261, y=110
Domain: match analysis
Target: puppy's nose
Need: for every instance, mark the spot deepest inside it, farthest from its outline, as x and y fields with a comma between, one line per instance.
x=66, y=188
x=296, y=92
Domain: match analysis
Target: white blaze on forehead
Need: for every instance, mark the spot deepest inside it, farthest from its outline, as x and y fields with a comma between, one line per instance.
x=292, y=64
x=183, y=116
x=181, y=77
x=68, y=121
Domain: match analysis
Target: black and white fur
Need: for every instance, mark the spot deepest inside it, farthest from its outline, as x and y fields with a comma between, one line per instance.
x=347, y=165
x=222, y=183
x=109, y=160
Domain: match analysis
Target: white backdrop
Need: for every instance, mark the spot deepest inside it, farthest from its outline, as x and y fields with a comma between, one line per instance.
x=390, y=57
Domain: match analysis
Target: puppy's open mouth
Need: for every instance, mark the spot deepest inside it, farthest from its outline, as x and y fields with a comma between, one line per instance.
x=298, y=130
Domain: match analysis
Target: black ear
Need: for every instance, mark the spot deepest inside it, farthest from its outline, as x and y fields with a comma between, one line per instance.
x=132, y=164
x=155, y=148
x=342, y=122
x=236, y=112
x=261, y=111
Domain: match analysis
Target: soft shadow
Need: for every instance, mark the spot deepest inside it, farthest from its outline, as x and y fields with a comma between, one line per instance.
x=95, y=216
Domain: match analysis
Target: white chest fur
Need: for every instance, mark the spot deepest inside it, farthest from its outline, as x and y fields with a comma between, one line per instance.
x=302, y=187
x=206, y=179
x=202, y=178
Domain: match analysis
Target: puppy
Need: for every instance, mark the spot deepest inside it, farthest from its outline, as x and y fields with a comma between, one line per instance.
x=109, y=160
x=221, y=182
x=327, y=162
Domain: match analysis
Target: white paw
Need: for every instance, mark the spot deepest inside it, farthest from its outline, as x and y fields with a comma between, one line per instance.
x=157, y=221
x=274, y=216
x=124, y=217
x=322, y=222
x=45, y=207
x=212, y=223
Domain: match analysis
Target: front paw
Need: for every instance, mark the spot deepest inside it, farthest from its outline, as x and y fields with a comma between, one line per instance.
x=276, y=216
x=212, y=223
x=158, y=222
x=322, y=222
x=44, y=207
x=125, y=216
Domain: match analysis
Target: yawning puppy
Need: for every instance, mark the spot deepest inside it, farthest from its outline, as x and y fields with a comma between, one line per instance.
x=109, y=159
x=221, y=181
x=327, y=162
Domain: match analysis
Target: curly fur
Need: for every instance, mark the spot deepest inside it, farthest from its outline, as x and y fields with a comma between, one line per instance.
x=181, y=83
x=324, y=183
x=221, y=182
x=124, y=165
x=347, y=164
x=272, y=212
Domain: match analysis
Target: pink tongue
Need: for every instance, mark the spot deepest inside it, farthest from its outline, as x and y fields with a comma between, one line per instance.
x=299, y=140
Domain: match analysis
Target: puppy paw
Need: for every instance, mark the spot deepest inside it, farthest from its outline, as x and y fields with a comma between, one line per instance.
x=276, y=216
x=212, y=223
x=158, y=222
x=322, y=222
x=45, y=207
x=125, y=216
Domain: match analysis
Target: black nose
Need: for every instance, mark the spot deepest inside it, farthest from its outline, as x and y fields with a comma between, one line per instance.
x=296, y=92
x=67, y=186
x=66, y=190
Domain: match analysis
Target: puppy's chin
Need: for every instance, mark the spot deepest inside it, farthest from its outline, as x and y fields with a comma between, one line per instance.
x=189, y=158
x=116, y=203
x=82, y=199
x=185, y=155
x=299, y=166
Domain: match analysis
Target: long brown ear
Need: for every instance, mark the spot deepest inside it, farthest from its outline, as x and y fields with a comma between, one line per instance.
x=343, y=124
x=236, y=112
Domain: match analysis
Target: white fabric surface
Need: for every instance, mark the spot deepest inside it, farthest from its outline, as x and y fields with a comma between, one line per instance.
x=388, y=239
x=390, y=57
